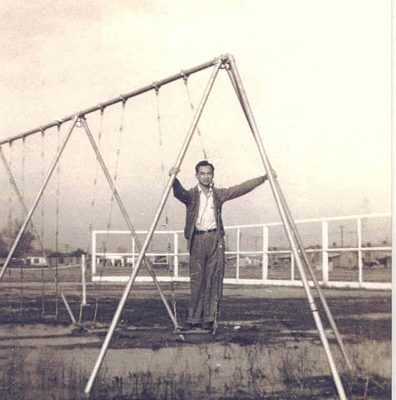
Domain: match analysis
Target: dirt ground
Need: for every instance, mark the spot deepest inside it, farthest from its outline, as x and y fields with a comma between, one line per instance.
x=261, y=315
x=248, y=314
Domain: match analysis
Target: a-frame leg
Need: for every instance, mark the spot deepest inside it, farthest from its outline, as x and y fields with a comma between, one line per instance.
x=34, y=206
x=36, y=234
x=286, y=223
x=303, y=252
x=151, y=230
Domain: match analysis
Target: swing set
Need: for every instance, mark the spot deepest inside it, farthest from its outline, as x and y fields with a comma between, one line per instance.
x=79, y=121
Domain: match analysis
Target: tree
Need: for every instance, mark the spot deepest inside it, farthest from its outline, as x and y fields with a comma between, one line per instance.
x=8, y=236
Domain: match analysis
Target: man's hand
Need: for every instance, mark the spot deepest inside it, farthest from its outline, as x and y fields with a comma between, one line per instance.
x=273, y=172
x=174, y=171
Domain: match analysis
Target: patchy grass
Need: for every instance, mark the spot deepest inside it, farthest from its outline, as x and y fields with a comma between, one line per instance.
x=58, y=380
x=249, y=323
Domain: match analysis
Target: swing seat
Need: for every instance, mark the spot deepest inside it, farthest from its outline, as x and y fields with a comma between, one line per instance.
x=49, y=317
x=191, y=331
x=83, y=328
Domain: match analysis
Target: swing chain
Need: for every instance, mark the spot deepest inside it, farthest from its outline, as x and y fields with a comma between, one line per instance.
x=185, y=80
x=43, y=197
x=23, y=165
x=10, y=209
x=57, y=213
x=93, y=203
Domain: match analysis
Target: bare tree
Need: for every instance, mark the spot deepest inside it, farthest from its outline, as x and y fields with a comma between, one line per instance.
x=8, y=236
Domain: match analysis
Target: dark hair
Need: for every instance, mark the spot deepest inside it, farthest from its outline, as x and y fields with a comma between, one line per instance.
x=204, y=163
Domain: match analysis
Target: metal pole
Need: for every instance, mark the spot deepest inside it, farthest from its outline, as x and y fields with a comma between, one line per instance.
x=38, y=197
x=123, y=97
x=292, y=267
x=36, y=234
x=67, y=307
x=284, y=217
x=149, y=235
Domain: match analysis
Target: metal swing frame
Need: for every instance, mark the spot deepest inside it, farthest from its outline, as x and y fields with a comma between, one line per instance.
x=226, y=62
x=295, y=241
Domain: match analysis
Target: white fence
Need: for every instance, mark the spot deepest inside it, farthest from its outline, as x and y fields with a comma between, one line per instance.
x=354, y=264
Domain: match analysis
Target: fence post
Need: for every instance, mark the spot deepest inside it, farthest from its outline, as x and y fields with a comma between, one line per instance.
x=325, y=254
x=360, y=258
x=238, y=249
x=93, y=252
x=133, y=252
x=265, y=252
x=292, y=267
x=175, y=255
x=83, y=281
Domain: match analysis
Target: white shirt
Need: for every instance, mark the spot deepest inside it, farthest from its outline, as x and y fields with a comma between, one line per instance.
x=206, y=213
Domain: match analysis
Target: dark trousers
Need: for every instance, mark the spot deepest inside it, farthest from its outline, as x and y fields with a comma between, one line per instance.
x=207, y=263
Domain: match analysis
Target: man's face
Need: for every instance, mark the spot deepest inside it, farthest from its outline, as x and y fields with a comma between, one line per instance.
x=205, y=175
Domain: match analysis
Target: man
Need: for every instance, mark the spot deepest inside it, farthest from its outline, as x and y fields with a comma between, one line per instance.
x=204, y=232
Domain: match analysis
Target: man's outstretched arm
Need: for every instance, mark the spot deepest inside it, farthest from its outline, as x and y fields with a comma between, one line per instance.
x=243, y=188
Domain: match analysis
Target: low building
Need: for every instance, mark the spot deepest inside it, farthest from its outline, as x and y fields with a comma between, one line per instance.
x=36, y=261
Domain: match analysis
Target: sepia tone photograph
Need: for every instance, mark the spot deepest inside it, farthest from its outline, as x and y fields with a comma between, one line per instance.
x=196, y=200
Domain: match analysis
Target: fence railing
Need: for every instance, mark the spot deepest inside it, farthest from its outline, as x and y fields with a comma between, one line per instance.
x=353, y=265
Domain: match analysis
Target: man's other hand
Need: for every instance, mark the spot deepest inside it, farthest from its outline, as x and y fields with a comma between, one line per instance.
x=174, y=171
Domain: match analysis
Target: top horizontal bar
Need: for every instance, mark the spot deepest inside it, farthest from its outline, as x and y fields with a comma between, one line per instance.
x=122, y=98
x=267, y=224
x=323, y=219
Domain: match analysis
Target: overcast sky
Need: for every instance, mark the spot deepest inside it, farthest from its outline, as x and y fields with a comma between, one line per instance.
x=317, y=73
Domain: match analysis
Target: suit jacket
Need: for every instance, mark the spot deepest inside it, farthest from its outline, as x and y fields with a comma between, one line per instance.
x=220, y=195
